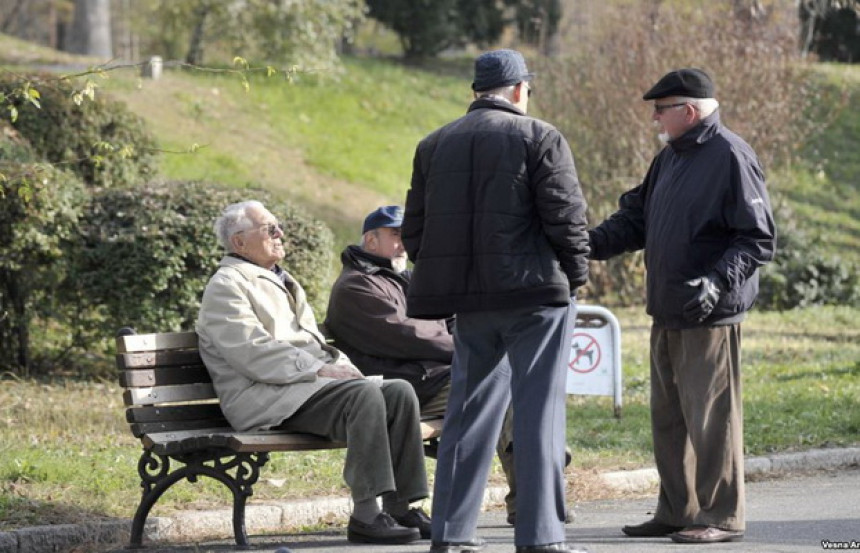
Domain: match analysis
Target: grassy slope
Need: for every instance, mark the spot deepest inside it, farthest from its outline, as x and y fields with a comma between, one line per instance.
x=339, y=146
x=823, y=188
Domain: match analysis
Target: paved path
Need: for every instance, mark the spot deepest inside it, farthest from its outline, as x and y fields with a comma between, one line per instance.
x=791, y=514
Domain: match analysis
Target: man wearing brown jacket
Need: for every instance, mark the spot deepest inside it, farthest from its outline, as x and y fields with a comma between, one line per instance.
x=367, y=315
x=367, y=319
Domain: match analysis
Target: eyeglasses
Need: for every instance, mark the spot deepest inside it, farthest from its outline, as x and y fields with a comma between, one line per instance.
x=272, y=229
x=660, y=109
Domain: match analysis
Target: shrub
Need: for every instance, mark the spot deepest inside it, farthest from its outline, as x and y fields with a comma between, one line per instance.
x=802, y=276
x=39, y=209
x=98, y=139
x=146, y=254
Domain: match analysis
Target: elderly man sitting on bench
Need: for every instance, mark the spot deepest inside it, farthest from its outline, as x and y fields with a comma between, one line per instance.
x=272, y=369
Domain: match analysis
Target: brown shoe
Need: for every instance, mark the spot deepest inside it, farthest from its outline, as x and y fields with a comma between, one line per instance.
x=651, y=529
x=706, y=534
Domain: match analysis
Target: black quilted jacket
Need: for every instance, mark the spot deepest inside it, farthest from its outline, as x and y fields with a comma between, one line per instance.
x=495, y=217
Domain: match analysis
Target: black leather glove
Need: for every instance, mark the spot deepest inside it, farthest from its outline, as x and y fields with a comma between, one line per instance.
x=707, y=296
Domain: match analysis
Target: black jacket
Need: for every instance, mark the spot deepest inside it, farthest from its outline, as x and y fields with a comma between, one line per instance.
x=495, y=217
x=702, y=208
x=367, y=319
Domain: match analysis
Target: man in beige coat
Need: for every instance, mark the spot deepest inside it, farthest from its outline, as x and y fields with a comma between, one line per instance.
x=272, y=368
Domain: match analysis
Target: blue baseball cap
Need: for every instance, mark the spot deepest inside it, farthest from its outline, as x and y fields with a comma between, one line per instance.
x=499, y=68
x=389, y=216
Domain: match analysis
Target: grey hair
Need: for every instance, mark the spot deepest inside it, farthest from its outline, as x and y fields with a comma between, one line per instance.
x=234, y=219
x=363, y=242
x=504, y=92
x=705, y=106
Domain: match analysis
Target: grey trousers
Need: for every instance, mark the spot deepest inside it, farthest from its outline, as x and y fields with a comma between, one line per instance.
x=697, y=426
x=537, y=345
x=504, y=447
x=380, y=425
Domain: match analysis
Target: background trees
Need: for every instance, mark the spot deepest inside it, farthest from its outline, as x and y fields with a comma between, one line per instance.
x=427, y=27
x=831, y=29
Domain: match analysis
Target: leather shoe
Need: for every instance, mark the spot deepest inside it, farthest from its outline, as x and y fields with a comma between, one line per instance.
x=415, y=518
x=457, y=546
x=383, y=530
x=706, y=534
x=560, y=547
x=651, y=529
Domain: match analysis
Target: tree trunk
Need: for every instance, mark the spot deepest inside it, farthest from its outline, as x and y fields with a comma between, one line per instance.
x=195, y=46
x=91, y=31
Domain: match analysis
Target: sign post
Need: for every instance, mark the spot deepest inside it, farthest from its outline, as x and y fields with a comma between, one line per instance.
x=594, y=364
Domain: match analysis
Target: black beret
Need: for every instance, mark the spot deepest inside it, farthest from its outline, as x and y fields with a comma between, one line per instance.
x=691, y=82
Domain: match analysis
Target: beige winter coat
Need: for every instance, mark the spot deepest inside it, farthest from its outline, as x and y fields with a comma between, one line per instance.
x=261, y=344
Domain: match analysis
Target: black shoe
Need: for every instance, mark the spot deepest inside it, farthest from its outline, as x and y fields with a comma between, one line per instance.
x=457, y=546
x=415, y=518
x=560, y=547
x=569, y=516
x=383, y=530
x=651, y=529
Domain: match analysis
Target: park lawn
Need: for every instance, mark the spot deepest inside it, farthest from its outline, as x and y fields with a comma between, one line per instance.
x=66, y=453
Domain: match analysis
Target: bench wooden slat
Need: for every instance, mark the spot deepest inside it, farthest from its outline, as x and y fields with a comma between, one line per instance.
x=168, y=443
x=140, y=429
x=160, y=341
x=168, y=394
x=166, y=413
x=171, y=376
x=170, y=358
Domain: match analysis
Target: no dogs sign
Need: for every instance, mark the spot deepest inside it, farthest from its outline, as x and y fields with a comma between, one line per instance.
x=594, y=362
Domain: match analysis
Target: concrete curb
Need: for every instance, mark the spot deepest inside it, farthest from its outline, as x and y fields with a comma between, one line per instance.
x=814, y=459
x=276, y=517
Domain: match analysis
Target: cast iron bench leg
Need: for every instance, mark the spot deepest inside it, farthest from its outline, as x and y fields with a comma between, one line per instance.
x=156, y=479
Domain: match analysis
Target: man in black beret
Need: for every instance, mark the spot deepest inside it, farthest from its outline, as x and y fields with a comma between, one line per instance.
x=495, y=224
x=703, y=217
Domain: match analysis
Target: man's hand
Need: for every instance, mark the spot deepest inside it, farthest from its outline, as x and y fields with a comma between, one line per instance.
x=340, y=372
x=706, y=299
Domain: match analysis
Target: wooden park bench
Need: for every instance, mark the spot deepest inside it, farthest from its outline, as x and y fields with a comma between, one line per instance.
x=173, y=409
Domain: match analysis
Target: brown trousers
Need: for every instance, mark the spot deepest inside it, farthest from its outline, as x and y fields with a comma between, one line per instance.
x=697, y=426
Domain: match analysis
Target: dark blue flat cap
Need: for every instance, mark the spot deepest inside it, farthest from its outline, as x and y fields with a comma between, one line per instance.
x=499, y=68
x=390, y=216
x=690, y=82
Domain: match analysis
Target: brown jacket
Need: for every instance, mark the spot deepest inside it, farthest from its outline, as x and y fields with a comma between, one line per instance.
x=367, y=319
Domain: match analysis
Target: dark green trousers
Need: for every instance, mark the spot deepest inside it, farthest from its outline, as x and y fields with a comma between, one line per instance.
x=380, y=425
x=697, y=426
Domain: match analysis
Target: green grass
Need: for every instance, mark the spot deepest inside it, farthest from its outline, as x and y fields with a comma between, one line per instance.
x=340, y=145
x=823, y=185
x=801, y=380
x=66, y=453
